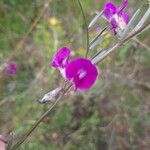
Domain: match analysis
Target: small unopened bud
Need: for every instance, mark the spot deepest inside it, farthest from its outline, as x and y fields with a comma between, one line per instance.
x=50, y=96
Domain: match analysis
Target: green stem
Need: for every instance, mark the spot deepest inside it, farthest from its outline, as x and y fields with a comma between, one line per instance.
x=34, y=126
x=87, y=30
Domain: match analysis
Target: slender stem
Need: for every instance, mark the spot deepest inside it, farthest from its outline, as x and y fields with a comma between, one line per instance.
x=87, y=30
x=24, y=137
x=95, y=39
x=34, y=126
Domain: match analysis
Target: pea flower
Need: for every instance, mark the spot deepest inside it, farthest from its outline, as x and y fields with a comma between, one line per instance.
x=11, y=69
x=115, y=16
x=82, y=73
x=60, y=59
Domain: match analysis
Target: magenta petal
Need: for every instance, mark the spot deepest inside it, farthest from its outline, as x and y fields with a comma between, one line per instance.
x=114, y=24
x=82, y=73
x=61, y=58
x=125, y=17
x=11, y=69
x=123, y=5
x=115, y=16
x=109, y=10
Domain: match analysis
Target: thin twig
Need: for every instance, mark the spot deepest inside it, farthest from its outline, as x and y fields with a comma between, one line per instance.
x=87, y=30
x=24, y=137
x=34, y=126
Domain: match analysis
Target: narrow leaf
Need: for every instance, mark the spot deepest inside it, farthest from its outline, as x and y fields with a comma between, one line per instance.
x=131, y=24
x=98, y=41
x=99, y=56
x=97, y=36
x=143, y=20
x=94, y=20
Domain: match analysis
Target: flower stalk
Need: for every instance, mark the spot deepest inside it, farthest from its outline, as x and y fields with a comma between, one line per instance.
x=87, y=30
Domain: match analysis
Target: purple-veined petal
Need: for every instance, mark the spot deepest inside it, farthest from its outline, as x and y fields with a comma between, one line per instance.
x=123, y=5
x=61, y=58
x=109, y=10
x=11, y=69
x=82, y=73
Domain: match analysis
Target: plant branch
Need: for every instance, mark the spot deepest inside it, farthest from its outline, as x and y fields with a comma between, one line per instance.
x=35, y=125
x=24, y=137
x=136, y=33
x=99, y=58
x=87, y=30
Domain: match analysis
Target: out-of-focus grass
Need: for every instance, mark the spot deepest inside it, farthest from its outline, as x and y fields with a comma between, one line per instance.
x=112, y=115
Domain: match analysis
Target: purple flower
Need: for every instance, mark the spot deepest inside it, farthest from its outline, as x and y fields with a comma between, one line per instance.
x=11, y=69
x=82, y=73
x=61, y=58
x=115, y=16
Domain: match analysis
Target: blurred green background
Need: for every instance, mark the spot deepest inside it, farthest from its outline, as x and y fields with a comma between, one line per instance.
x=113, y=115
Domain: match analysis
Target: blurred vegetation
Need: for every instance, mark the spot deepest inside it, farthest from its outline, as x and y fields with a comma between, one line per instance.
x=114, y=114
